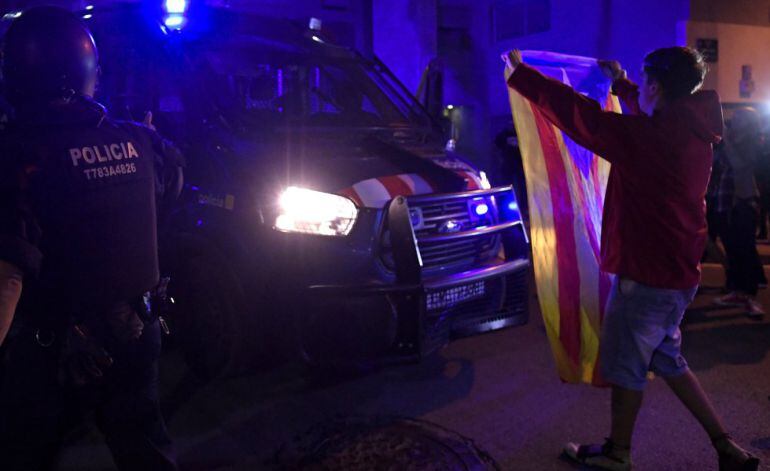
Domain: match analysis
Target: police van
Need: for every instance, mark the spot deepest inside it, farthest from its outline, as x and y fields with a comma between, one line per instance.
x=322, y=213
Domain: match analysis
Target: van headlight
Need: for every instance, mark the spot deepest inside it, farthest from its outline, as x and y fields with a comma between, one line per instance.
x=314, y=212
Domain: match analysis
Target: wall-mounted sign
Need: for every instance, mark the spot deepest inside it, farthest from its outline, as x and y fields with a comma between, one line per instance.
x=747, y=84
x=709, y=48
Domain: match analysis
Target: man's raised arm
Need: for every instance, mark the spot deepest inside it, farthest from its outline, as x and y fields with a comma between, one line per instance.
x=603, y=132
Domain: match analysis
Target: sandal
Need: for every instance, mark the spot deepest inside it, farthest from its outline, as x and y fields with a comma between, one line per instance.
x=732, y=457
x=608, y=456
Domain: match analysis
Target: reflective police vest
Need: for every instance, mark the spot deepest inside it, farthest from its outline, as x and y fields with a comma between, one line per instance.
x=90, y=185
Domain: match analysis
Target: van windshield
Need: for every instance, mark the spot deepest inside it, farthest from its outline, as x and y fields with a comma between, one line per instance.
x=248, y=82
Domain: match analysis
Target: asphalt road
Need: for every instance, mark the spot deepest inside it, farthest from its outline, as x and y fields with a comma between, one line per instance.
x=500, y=390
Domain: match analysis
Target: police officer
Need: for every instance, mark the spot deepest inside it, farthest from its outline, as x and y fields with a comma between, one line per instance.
x=79, y=199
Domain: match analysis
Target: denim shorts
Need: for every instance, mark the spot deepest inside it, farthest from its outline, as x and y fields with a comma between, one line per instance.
x=640, y=333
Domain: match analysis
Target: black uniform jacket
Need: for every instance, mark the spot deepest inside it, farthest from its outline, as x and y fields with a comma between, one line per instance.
x=78, y=209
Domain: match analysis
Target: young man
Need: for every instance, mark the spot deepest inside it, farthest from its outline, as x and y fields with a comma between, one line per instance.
x=653, y=230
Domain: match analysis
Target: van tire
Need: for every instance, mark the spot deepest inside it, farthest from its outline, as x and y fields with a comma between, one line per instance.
x=209, y=320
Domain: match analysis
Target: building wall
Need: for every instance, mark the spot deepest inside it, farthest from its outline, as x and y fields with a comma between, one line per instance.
x=742, y=28
x=463, y=46
x=738, y=45
x=408, y=34
x=405, y=36
x=744, y=12
x=575, y=28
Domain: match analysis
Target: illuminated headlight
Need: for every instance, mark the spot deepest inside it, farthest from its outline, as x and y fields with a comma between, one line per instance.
x=314, y=212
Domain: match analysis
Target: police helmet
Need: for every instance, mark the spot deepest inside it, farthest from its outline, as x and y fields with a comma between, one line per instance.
x=48, y=53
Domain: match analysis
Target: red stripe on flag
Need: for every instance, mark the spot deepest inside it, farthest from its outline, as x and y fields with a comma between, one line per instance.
x=604, y=281
x=351, y=193
x=583, y=198
x=395, y=186
x=566, y=250
x=608, y=103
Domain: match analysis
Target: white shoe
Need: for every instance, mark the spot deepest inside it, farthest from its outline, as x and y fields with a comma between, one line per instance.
x=606, y=456
x=731, y=299
x=754, y=310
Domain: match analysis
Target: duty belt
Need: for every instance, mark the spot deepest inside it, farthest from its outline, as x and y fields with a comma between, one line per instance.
x=150, y=306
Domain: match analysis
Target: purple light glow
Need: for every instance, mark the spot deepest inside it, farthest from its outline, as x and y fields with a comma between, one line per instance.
x=482, y=209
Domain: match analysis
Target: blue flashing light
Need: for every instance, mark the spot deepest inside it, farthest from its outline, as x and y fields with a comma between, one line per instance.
x=513, y=206
x=482, y=209
x=175, y=6
x=88, y=16
x=175, y=21
x=89, y=7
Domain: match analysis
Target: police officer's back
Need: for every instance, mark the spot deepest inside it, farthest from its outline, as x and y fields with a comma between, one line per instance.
x=78, y=210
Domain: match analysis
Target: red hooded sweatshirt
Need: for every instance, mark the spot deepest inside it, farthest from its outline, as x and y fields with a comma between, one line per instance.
x=654, y=223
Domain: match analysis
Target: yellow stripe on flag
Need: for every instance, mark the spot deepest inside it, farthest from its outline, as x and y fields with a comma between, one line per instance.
x=541, y=225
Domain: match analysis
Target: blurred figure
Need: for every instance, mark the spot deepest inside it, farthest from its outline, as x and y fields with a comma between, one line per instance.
x=510, y=168
x=763, y=183
x=738, y=157
x=719, y=200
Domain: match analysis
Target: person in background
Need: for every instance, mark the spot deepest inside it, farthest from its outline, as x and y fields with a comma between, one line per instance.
x=511, y=167
x=719, y=198
x=739, y=156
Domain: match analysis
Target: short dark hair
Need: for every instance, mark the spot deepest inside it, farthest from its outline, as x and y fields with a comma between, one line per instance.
x=679, y=70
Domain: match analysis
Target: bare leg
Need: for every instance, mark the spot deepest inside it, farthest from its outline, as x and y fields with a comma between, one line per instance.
x=625, y=408
x=689, y=391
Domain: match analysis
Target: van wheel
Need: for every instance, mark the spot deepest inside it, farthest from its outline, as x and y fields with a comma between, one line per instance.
x=209, y=320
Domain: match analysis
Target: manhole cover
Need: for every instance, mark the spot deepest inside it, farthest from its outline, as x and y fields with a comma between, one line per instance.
x=382, y=443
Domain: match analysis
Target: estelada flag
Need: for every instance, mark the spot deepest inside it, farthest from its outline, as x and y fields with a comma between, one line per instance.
x=565, y=187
